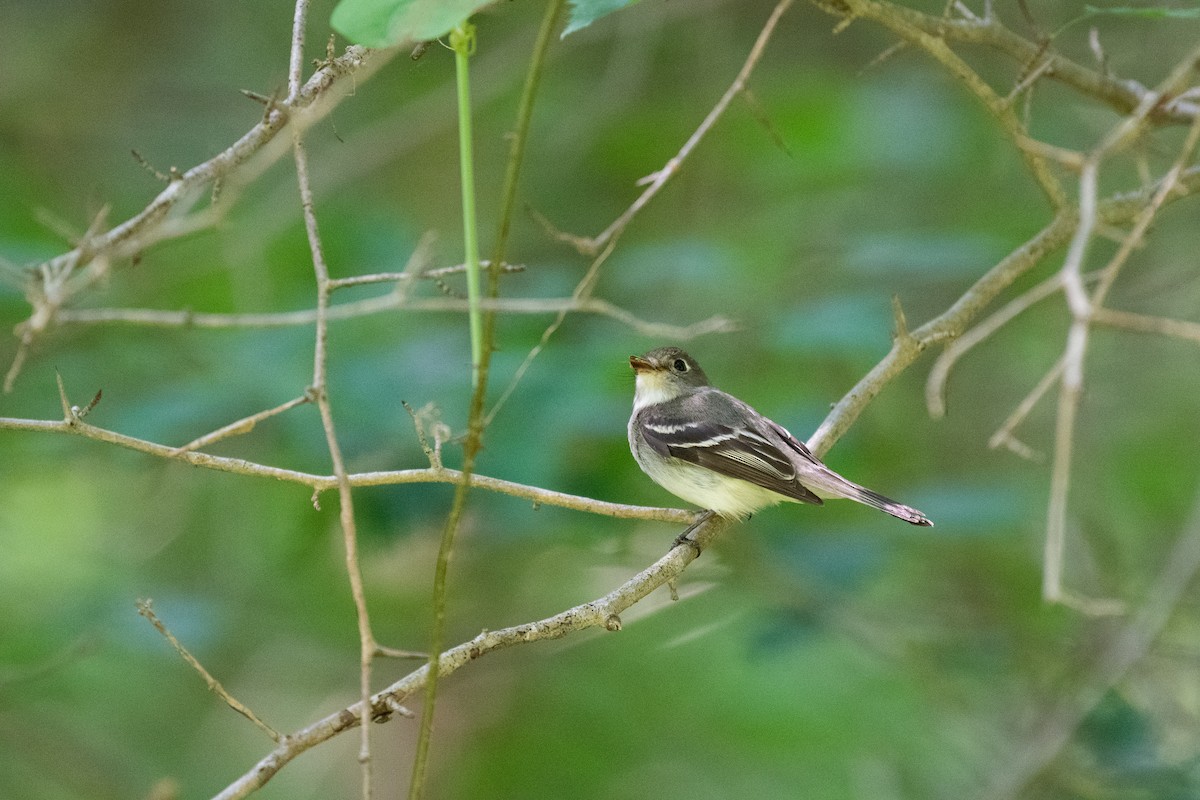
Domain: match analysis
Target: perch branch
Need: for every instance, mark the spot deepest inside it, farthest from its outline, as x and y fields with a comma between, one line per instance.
x=603, y=613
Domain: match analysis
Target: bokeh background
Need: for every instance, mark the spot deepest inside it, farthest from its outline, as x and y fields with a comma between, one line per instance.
x=816, y=652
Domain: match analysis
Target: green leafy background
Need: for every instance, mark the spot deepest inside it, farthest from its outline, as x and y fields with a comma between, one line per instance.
x=816, y=652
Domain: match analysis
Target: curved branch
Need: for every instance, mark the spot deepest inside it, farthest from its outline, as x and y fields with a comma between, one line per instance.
x=1122, y=95
x=600, y=613
x=951, y=323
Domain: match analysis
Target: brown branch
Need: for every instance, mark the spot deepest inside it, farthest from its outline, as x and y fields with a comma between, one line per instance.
x=320, y=393
x=320, y=483
x=243, y=425
x=1054, y=727
x=1082, y=308
x=656, y=181
x=1122, y=94
x=54, y=282
x=603, y=612
x=144, y=608
x=392, y=302
x=1117, y=209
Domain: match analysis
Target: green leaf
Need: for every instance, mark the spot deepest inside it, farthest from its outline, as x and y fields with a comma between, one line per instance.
x=1148, y=12
x=383, y=23
x=585, y=12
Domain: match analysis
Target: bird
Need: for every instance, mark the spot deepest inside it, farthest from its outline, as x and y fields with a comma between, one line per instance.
x=713, y=450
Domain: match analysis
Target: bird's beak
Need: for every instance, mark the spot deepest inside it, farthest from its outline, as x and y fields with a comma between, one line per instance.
x=640, y=364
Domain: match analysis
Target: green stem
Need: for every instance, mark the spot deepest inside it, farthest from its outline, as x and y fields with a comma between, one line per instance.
x=462, y=39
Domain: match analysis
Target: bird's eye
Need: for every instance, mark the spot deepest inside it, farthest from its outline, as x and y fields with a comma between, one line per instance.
x=680, y=365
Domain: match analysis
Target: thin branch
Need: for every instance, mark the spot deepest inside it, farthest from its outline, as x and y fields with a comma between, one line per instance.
x=1145, y=323
x=657, y=180
x=603, y=613
x=409, y=275
x=935, y=386
x=296, y=56
x=1122, y=94
x=392, y=302
x=320, y=483
x=162, y=218
x=243, y=425
x=1054, y=728
x=320, y=392
x=1004, y=435
x=1082, y=308
x=144, y=608
x=1117, y=209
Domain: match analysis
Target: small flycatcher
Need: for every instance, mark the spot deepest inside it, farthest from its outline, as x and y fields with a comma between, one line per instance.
x=711, y=449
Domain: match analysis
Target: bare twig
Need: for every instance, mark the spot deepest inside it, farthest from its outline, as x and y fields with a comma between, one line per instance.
x=1004, y=435
x=162, y=218
x=1122, y=94
x=144, y=608
x=243, y=425
x=1053, y=728
x=1082, y=307
x=320, y=483
x=367, y=645
x=1145, y=323
x=658, y=179
x=603, y=613
x=393, y=302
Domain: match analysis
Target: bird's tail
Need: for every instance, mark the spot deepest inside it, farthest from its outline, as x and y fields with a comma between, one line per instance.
x=861, y=494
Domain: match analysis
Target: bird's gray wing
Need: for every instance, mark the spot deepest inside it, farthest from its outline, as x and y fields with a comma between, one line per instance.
x=728, y=448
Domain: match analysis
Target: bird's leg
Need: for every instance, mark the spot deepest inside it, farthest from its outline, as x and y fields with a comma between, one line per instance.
x=686, y=536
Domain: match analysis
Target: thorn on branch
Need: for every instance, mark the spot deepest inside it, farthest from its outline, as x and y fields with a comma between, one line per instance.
x=73, y=413
x=146, y=165
x=901, y=333
x=330, y=54
x=258, y=98
x=270, y=102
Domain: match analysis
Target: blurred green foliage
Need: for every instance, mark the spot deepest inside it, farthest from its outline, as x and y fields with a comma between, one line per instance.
x=818, y=652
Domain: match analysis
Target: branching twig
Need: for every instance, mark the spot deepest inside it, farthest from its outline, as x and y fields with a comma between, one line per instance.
x=243, y=425
x=144, y=608
x=320, y=395
x=948, y=325
x=161, y=218
x=320, y=483
x=1082, y=307
x=658, y=179
x=1123, y=95
x=603, y=612
x=1054, y=727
